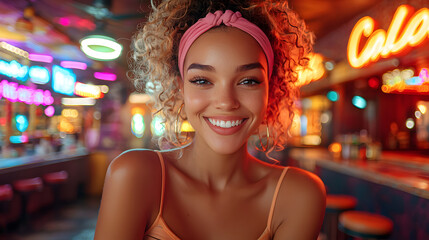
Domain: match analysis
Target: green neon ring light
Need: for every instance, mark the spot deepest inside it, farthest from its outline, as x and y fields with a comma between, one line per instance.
x=103, y=42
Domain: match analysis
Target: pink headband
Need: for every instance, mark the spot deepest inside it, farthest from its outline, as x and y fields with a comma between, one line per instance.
x=228, y=18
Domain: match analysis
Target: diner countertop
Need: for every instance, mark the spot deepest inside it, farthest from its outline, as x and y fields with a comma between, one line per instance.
x=406, y=172
x=8, y=164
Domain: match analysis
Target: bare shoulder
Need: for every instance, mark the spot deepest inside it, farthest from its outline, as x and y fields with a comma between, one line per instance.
x=135, y=161
x=301, y=205
x=305, y=184
x=131, y=192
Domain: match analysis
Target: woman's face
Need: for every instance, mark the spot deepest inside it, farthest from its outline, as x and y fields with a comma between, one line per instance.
x=225, y=88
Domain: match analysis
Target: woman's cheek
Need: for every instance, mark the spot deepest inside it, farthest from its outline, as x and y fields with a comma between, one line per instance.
x=195, y=101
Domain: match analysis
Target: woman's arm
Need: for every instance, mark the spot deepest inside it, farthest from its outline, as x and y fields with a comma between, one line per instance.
x=301, y=207
x=132, y=183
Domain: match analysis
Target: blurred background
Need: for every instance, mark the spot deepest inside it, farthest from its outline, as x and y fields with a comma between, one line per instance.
x=67, y=109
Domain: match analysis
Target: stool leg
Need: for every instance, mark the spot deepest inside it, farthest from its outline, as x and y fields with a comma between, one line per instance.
x=24, y=216
x=4, y=206
x=56, y=198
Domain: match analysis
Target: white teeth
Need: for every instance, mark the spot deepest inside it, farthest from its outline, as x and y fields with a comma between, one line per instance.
x=225, y=124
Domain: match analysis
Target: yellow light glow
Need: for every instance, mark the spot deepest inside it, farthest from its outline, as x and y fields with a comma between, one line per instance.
x=312, y=140
x=65, y=126
x=187, y=127
x=137, y=110
x=71, y=113
x=422, y=108
x=382, y=44
x=335, y=147
x=88, y=90
x=313, y=72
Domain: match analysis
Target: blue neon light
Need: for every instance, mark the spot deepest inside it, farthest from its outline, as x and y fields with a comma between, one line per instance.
x=359, y=102
x=18, y=139
x=414, y=81
x=137, y=125
x=21, y=122
x=39, y=75
x=333, y=96
x=304, y=123
x=63, y=80
x=13, y=69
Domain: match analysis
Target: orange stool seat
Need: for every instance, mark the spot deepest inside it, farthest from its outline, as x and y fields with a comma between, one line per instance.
x=56, y=177
x=340, y=202
x=365, y=224
x=28, y=185
x=6, y=192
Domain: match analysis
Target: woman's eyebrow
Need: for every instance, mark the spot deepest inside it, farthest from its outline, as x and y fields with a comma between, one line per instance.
x=201, y=67
x=250, y=66
x=242, y=68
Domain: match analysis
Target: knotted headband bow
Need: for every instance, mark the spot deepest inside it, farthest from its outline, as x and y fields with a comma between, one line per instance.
x=231, y=19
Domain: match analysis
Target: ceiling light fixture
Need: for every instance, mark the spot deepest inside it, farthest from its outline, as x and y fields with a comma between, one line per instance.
x=99, y=47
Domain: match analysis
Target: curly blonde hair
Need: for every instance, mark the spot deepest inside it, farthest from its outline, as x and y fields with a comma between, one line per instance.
x=154, y=61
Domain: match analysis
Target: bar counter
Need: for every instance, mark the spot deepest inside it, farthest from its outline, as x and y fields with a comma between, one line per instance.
x=405, y=172
x=396, y=185
x=75, y=163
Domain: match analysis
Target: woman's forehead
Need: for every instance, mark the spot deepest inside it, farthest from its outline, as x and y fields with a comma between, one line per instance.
x=226, y=44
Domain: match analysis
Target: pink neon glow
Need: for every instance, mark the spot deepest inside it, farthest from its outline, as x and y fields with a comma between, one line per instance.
x=105, y=76
x=424, y=75
x=40, y=58
x=64, y=21
x=50, y=111
x=73, y=64
x=14, y=92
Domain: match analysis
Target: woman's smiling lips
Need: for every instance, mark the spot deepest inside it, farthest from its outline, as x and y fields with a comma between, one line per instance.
x=225, y=125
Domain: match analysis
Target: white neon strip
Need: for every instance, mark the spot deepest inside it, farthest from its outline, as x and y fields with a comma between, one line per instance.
x=78, y=101
x=117, y=48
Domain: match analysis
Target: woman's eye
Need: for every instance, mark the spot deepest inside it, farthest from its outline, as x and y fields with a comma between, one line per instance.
x=199, y=81
x=250, y=82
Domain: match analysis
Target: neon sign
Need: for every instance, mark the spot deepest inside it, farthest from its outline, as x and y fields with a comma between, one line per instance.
x=18, y=139
x=13, y=69
x=88, y=90
x=14, y=92
x=21, y=122
x=105, y=76
x=404, y=81
x=40, y=58
x=50, y=111
x=14, y=49
x=382, y=44
x=63, y=80
x=39, y=75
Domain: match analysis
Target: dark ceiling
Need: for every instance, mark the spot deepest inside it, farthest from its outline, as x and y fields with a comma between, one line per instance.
x=322, y=16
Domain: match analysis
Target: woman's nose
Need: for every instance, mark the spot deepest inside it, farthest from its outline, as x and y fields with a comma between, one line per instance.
x=226, y=98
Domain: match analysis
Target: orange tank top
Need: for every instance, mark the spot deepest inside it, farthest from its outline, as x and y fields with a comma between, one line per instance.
x=160, y=230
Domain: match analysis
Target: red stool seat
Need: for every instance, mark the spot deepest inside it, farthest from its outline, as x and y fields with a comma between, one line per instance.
x=6, y=192
x=366, y=223
x=28, y=185
x=56, y=177
x=340, y=202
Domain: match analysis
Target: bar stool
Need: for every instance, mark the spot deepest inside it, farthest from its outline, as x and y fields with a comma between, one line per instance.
x=6, y=195
x=365, y=225
x=26, y=187
x=54, y=180
x=336, y=204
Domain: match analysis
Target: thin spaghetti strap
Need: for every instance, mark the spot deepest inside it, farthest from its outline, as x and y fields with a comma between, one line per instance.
x=161, y=203
x=276, y=192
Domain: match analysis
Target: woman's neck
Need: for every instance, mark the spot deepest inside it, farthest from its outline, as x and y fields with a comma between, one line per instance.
x=217, y=171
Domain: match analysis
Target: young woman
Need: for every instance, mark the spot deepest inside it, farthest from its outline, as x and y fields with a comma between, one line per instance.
x=228, y=68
